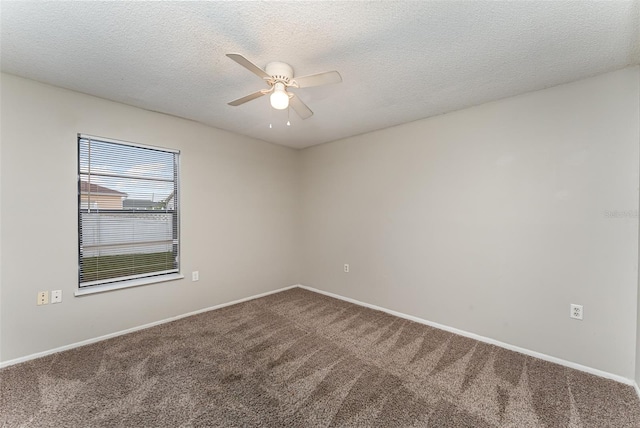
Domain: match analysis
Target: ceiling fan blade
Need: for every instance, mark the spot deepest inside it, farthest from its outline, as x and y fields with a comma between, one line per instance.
x=318, y=79
x=246, y=99
x=300, y=107
x=249, y=65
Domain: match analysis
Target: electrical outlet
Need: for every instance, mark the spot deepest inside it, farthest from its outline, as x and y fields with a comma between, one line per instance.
x=346, y=268
x=576, y=312
x=43, y=298
x=195, y=275
x=56, y=296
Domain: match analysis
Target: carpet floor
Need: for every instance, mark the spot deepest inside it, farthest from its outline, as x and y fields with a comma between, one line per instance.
x=302, y=359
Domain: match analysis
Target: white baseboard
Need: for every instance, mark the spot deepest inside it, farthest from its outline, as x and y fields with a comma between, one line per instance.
x=132, y=329
x=525, y=351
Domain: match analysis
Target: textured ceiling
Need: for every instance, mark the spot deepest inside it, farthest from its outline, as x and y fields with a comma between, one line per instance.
x=400, y=61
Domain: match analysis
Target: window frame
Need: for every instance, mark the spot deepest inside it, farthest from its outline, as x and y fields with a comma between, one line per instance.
x=91, y=287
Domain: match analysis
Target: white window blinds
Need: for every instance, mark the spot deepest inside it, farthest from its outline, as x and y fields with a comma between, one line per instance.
x=127, y=211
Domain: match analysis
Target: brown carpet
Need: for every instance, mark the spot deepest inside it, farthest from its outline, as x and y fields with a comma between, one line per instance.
x=301, y=359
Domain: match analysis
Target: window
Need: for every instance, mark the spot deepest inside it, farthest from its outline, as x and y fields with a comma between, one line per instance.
x=128, y=216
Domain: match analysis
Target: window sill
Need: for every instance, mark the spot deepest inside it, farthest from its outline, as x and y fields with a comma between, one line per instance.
x=127, y=284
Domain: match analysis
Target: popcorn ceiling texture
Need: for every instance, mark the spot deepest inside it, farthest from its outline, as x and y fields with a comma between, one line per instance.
x=302, y=359
x=400, y=61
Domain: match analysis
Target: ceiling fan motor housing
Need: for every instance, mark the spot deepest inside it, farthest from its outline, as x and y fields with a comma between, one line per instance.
x=280, y=71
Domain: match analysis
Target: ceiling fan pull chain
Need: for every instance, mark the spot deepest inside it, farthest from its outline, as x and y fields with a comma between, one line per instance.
x=271, y=119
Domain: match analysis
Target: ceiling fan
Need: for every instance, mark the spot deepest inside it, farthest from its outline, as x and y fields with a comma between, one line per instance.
x=279, y=76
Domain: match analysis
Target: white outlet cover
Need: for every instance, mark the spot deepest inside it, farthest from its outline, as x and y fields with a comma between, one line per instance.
x=56, y=296
x=576, y=312
x=43, y=298
x=195, y=275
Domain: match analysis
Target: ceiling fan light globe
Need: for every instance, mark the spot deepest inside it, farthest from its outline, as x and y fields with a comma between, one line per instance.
x=279, y=100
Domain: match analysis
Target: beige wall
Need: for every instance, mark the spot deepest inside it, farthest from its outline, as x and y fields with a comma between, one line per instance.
x=103, y=201
x=238, y=206
x=637, y=379
x=492, y=219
